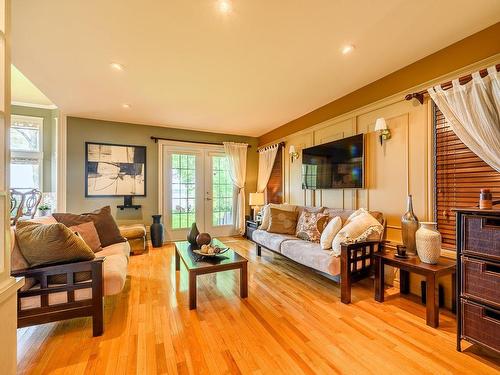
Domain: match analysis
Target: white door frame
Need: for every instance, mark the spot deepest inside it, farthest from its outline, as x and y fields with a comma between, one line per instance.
x=205, y=149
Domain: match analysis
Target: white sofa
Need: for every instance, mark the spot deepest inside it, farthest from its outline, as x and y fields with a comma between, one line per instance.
x=41, y=302
x=354, y=263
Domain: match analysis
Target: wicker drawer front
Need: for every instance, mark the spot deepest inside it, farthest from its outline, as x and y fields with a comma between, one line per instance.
x=482, y=236
x=481, y=324
x=481, y=279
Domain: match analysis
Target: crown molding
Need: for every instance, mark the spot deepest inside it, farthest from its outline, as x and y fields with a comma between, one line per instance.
x=33, y=105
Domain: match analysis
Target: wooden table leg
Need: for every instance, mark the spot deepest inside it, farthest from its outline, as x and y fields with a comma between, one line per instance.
x=379, y=279
x=243, y=281
x=192, y=290
x=404, y=282
x=454, y=293
x=177, y=261
x=432, y=310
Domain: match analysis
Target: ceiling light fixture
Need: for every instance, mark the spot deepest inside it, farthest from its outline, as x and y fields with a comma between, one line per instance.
x=224, y=6
x=117, y=66
x=347, y=49
x=126, y=106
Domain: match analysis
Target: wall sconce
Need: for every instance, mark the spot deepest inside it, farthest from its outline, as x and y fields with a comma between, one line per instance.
x=383, y=132
x=294, y=155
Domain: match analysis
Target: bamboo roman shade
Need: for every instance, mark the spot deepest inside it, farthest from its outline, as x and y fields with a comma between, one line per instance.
x=460, y=175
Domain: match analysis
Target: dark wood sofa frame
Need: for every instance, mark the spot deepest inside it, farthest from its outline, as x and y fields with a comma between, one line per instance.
x=351, y=271
x=46, y=313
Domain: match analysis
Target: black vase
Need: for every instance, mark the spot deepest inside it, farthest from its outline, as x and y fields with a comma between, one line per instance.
x=157, y=231
x=193, y=233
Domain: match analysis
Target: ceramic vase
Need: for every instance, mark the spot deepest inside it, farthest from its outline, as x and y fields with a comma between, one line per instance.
x=157, y=231
x=428, y=241
x=193, y=233
x=203, y=239
x=409, y=227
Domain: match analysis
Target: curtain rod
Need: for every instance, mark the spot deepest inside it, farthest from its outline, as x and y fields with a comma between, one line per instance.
x=282, y=144
x=447, y=85
x=156, y=139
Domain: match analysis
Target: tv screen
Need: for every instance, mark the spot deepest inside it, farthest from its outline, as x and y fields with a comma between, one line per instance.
x=334, y=165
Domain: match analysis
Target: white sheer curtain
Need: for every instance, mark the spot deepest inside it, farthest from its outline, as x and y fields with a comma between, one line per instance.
x=237, y=156
x=266, y=162
x=473, y=112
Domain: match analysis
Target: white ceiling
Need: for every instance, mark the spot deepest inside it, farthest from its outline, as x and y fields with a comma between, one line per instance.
x=24, y=92
x=248, y=72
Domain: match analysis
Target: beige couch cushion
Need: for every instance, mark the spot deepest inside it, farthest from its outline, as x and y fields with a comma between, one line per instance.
x=271, y=241
x=361, y=227
x=312, y=255
x=331, y=230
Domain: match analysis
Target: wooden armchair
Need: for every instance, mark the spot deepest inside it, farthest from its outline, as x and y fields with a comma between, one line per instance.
x=72, y=308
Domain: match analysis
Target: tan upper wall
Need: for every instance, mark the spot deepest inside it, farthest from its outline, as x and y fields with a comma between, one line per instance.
x=81, y=130
x=474, y=48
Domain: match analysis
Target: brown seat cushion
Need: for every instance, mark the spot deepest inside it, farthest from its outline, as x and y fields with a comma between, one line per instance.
x=89, y=234
x=282, y=221
x=105, y=225
x=48, y=244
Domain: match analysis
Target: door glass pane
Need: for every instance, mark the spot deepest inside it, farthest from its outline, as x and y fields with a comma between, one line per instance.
x=183, y=190
x=222, y=192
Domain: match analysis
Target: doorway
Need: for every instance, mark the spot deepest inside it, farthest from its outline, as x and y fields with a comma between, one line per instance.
x=196, y=188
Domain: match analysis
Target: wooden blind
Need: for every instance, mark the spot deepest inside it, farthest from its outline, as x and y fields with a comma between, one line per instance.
x=275, y=184
x=460, y=175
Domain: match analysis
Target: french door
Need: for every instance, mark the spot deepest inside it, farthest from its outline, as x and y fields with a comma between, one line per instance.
x=196, y=188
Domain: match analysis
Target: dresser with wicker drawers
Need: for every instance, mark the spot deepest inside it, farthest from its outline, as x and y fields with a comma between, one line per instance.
x=478, y=277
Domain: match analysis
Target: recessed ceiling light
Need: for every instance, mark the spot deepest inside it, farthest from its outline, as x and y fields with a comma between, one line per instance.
x=126, y=106
x=116, y=66
x=224, y=6
x=347, y=49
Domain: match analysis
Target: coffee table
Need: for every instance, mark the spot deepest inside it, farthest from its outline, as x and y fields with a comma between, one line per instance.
x=195, y=266
x=431, y=272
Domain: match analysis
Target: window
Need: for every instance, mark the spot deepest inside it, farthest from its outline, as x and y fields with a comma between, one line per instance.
x=459, y=174
x=222, y=192
x=183, y=190
x=26, y=152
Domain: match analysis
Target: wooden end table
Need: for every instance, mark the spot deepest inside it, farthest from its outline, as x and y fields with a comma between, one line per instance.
x=431, y=272
x=230, y=260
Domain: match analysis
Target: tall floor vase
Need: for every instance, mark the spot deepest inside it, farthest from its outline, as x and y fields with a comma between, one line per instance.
x=409, y=227
x=157, y=231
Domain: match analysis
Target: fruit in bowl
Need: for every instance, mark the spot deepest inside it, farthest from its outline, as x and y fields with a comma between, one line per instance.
x=210, y=250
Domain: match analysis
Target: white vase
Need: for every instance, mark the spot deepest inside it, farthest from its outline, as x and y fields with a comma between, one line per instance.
x=428, y=242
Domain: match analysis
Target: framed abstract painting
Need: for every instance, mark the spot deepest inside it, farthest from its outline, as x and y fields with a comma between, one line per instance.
x=114, y=170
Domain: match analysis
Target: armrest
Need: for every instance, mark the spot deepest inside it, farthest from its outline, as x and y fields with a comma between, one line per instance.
x=347, y=246
x=54, y=269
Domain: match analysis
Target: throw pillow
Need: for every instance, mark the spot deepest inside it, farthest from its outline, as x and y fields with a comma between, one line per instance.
x=53, y=243
x=311, y=225
x=362, y=227
x=266, y=214
x=89, y=234
x=105, y=225
x=282, y=221
x=331, y=230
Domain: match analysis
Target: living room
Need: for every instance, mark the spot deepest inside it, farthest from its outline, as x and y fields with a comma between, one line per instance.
x=226, y=187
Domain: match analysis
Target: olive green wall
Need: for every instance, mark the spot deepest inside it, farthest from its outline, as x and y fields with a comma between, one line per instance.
x=49, y=142
x=81, y=130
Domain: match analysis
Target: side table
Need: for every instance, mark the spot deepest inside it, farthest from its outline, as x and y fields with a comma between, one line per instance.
x=431, y=272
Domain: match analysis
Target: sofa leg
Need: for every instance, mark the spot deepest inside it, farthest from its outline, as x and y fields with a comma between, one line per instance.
x=98, y=324
x=345, y=290
x=259, y=250
x=345, y=276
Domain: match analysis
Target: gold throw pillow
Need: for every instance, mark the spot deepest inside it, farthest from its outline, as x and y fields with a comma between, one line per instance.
x=282, y=221
x=48, y=244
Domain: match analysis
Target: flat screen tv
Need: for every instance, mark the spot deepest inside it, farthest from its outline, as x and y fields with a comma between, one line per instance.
x=334, y=165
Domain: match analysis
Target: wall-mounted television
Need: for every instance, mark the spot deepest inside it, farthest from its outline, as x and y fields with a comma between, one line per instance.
x=334, y=165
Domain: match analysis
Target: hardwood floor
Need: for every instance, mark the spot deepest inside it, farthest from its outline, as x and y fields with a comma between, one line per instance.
x=292, y=322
